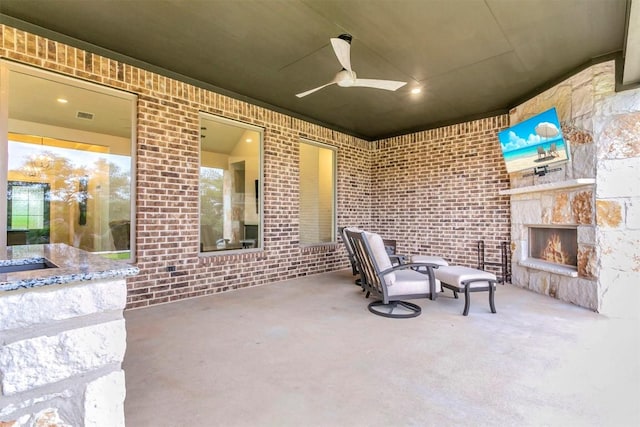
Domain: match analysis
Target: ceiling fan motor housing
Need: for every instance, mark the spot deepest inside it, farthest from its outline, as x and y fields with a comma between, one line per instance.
x=346, y=37
x=346, y=78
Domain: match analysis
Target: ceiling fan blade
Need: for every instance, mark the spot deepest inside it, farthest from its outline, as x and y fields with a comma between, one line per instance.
x=342, y=49
x=300, y=95
x=379, y=84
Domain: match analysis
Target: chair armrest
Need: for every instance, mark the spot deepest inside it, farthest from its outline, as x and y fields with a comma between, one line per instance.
x=397, y=259
x=411, y=265
x=414, y=265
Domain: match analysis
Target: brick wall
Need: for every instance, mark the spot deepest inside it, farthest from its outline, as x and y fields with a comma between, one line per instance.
x=408, y=188
x=167, y=152
x=437, y=191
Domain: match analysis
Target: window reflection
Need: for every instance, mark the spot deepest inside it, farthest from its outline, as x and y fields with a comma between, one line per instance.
x=80, y=152
x=317, y=193
x=229, y=185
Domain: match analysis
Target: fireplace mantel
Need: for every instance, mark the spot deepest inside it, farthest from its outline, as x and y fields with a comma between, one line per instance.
x=580, y=182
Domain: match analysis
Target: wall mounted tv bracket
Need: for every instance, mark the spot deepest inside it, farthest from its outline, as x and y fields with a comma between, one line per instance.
x=542, y=170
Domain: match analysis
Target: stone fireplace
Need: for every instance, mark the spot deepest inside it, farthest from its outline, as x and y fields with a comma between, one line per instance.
x=554, y=240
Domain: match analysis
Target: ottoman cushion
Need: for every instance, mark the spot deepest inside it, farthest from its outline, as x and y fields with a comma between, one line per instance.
x=429, y=259
x=455, y=275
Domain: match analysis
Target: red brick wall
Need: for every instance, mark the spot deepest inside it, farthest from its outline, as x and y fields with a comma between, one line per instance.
x=409, y=188
x=437, y=191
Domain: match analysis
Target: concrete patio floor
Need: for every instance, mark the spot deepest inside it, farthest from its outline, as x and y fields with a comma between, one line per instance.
x=306, y=352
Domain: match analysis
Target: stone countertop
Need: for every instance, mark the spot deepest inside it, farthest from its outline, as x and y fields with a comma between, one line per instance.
x=73, y=265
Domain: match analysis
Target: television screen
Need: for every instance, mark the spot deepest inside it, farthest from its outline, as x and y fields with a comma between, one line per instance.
x=534, y=143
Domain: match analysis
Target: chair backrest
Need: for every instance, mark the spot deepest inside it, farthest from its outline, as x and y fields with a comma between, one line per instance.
x=349, y=247
x=372, y=260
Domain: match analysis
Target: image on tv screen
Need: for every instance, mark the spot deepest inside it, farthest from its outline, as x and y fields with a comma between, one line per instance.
x=534, y=143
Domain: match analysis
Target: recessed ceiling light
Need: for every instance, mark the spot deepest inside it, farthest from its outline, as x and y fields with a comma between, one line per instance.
x=248, y=140
x=416, y=90
x=62, y=100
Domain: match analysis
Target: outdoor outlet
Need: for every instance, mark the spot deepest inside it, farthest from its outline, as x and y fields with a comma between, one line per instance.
x=171, y=268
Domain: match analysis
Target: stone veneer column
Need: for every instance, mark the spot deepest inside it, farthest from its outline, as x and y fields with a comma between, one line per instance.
x=61, y=349
x=617, y=131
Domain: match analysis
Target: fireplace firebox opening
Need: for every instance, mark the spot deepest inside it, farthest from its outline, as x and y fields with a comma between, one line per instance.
x=555, y=244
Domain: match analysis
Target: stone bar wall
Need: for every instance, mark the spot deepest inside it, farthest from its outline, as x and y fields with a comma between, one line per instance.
x=61, y=349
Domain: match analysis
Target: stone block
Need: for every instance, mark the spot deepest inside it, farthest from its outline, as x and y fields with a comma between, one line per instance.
x=583, y=161
x=582, y=207
x=582, y=102
x=561, y=213
x=49, y=418
x=618, y=178
x=34, y=362
x=620, y=137
x=609, y=213
x=586, y=234
x=619, y=249
x=619, y=293
x=539, y=281
x=578, y=291
x=578, y=133
x=632, y=208
x=604, y=84
x=587, y=261
x=24, y=308
x=526, y=211
x=9, y=407
x=519, y=276
x=104, y=401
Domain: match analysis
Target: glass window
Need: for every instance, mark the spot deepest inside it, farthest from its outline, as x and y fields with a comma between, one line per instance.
x=317, y=193
x=28, y=213
x=69, y=169
x=230, y=179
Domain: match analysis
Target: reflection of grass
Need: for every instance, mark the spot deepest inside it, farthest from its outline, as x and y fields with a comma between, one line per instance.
x=117, y=255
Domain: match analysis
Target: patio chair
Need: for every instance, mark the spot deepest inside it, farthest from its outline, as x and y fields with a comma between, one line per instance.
x=541, y=153
x=390, y=247
x=390, y=284
x=553, y=150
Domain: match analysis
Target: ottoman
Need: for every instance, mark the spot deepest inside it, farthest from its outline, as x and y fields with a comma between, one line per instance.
x=467, y=280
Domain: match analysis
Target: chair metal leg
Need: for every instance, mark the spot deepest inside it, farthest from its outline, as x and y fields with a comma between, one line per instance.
x=406, y=309
x=491, y=302
x=467, y=300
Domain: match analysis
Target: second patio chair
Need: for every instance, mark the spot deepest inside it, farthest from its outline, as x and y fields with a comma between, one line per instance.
x=390, y=247
x=390, y=284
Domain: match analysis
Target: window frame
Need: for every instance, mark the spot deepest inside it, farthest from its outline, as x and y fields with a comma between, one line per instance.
x=6, y=67
x=203, y=115
x=334, y=213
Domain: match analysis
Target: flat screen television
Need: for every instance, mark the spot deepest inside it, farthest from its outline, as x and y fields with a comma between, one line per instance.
x=534, y=144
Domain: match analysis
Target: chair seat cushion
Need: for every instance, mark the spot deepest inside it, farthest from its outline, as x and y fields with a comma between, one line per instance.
x=455, y=275
x=429, y=259
x=410, y=282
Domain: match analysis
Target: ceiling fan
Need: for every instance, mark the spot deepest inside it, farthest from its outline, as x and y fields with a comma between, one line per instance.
x=347, y=77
